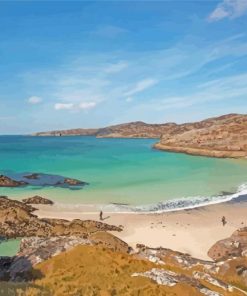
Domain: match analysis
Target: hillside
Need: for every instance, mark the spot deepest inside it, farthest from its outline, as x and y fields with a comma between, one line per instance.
x=224, y=136
x=136, y=129
x=69, y=132
x=96, y=270
x=83, y=257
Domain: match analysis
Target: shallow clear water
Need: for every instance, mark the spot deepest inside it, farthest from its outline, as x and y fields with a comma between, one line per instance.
x=9, y=247
x=117, y=170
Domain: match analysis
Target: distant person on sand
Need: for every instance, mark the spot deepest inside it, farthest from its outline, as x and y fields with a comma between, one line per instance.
x=223, y=220
x=101, y=215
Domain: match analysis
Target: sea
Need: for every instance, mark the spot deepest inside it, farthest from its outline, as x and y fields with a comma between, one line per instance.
x=125, y=174
x=122, y=175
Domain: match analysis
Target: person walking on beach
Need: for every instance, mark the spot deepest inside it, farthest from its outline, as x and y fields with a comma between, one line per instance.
x=223, y=220
x=101, y=215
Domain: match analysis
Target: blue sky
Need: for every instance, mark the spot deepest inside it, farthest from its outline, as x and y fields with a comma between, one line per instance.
x=93, y=64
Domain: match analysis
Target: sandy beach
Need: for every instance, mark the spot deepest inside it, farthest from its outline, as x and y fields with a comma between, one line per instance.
x=191, y=231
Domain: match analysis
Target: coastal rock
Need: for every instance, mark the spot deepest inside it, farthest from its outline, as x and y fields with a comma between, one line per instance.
x=83, y=263
x=224, y=136
x=32, y=176
x=17, y=220
x=34, y=250
x=170, y=279
x=136, y=129
x=72, y=182
x=34, y=179
x=215, y=274
x=110, y=241
x=35, y=200
x=70, y=132
x=8, y=182
x=234, y=246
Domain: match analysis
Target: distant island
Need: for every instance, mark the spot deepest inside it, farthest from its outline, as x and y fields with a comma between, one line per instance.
x=223, y=136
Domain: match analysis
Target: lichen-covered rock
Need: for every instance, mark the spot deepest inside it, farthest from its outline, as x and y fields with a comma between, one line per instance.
x=8, y=182
x=17, y=220
x=72, y=182
x=37, y=200
x=234, y=246
x=110, y=241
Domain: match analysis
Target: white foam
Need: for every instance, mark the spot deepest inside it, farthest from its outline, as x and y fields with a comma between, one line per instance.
x=184, y=203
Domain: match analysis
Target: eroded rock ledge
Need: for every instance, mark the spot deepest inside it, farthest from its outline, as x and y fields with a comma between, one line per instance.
x=8, y=182
x=17, y=220
x=35, y=179
x=224, y=136
x=37, y=200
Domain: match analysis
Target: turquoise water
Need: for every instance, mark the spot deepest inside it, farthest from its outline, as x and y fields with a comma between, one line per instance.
x=117, y=170
x=9, y=247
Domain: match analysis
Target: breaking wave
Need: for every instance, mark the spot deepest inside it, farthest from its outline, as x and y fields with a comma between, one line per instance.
x=182, y=203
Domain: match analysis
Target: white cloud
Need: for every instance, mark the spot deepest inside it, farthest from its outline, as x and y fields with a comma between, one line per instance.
x=34, y=100
x=228, y=9
x=115, y=68
x=87, y=105
x=88, y=78
x=71, y=106
x=63, y=106
x=141, y=86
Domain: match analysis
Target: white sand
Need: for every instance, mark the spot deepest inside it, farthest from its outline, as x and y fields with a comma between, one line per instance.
x=192, y=231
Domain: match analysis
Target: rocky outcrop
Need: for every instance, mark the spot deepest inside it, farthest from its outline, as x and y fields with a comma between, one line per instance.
x=234, y=246
x=17, y=220
x=8, y=182
x=72, y=182
x=224, y=136
x=37, y=200
x=100, y=261
x=70, y=132
x=83, y=268
x=170, y=279
x=35, y=179
x=201, y=274
x=109, y=241
x=35, y=250
x=136, y=129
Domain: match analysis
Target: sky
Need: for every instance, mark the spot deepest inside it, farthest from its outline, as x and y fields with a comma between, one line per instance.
x=98, y=63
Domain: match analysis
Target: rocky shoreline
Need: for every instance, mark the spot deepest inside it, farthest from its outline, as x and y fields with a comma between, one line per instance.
x=201, y=151
x=224, y=136
x=46, y=241
x=36, y=179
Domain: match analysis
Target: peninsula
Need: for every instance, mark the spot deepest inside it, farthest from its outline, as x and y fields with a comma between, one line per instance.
x=223, y=136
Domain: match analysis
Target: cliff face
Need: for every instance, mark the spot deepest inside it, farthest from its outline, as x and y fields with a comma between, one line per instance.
x=224, y=136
